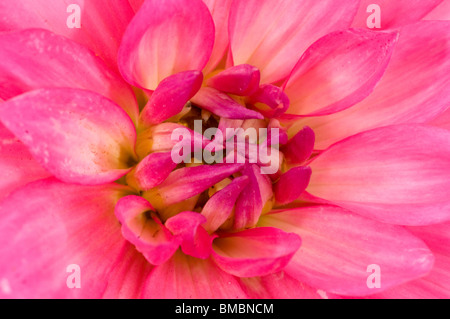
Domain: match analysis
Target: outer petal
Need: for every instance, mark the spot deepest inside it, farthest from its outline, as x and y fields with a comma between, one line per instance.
x=77, y=135
x=337, y=248
x=17, y=165
x=219, y=10
x=414, y=88
x=397, y=174
x=277, y=286
x=272, y=35
x=255, y=252
x=437, y=283
x=178, y=37
x=442, y=120
x=338, y=71
x=185, y=277
x=441, y=12
x=103, y=22
x=35, y=59
x=125, y=280
x=47, y=226
x=394, y=13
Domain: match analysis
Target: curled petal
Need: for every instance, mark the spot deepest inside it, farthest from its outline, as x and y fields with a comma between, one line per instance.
x=300, y=147
x=220, y=206
x=178, y=37
x=255, y=252
x=291, y=184
x=222, y=105
x=144, y=230
x=171, y=96
x=78, y=136
x=194, y=239
x=240, y=80
x=272, y=96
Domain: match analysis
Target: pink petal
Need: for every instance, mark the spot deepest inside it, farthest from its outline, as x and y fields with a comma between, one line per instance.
x=394, y=13
x=291, y=184
x=441, y=12
x=219, y=10
x=185, y=277
x=187, y=182
x=103, y=22
x=337, y=248
x=171, y=96
x=153, y=170
x=240, y=80
x=35, y=59
x=277, y=286
x=249, y=204
x=78, y=136
x=126, y=281
x=442, y=121
x=273, y=97
x=146, y=233
x=300, y=147
x=136, y=4
x=338, y=71
x=255, y=252
x=17, y=165
x=178, y=37
x=47, y=226
x=222, y=105
x=220, y=206
x=272, y=35
x=413, y=89
x=397, y=174
x=436, y=285
x=195, y=240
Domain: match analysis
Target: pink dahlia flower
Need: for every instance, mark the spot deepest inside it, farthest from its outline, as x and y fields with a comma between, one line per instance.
x=94, y=205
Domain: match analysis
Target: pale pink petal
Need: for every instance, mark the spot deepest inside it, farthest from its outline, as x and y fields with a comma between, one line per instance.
x=103, y=22
x=255, y=252
x=194, y=239
x=48, y=228
x=223, y=105
x=17, y=165
x=219, y=10
x=300, y=147
x=338, y=71
x=171, y=96
x=142, y=228
x=396, y=174
x=272, y=35
x=153, y=170
x=185, y=277
x=240, y=80
x=437, y=283
x=220, y=206
x=187, y=182
x=441, y=12
x=178, y=37
x=394, y=13
x=78, y=136
x=277, y=286
x=414, y=88
x=125, y=280
x=338, y=248
x=291, y=184
x=35, y=59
